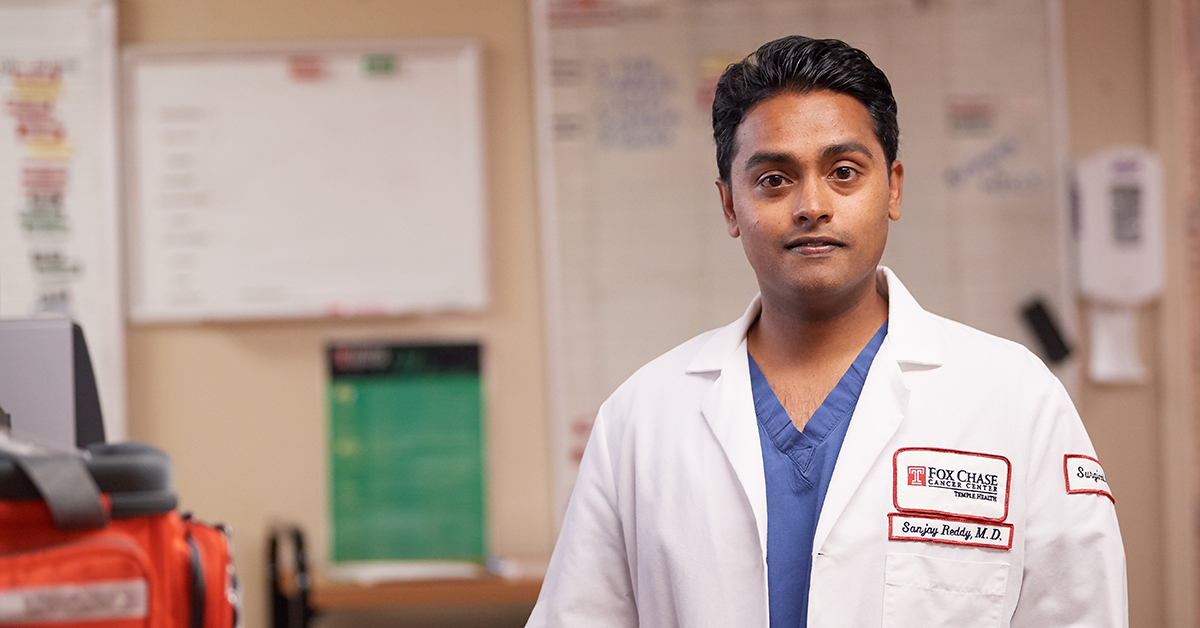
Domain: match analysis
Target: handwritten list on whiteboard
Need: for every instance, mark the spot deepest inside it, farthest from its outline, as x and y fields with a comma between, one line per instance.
x=303, y=181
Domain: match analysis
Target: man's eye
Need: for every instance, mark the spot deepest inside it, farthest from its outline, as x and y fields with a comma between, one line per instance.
x=773, y=180
x=844, y=173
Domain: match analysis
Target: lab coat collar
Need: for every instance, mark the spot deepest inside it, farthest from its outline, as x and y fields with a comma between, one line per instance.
x=714, y=354
x=913, y=336
x=912, y=332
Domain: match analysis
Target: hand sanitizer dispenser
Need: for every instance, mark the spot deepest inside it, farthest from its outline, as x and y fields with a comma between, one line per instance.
x=1119, y=192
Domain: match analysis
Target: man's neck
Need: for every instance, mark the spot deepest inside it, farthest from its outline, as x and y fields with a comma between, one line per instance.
x=795, y=332
x=804, y=351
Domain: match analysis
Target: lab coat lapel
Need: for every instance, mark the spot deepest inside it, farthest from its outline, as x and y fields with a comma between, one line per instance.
x=911, y=342
x=881, y=407
x=728, y=409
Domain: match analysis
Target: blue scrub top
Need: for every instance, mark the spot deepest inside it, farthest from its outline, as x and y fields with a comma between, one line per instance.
x=798, y=466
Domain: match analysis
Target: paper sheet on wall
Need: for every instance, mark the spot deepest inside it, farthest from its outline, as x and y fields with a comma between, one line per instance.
x=59, y=242
x=637, y=255
x=1113, y=345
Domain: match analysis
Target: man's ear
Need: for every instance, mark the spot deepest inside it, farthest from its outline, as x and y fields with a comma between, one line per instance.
x=727, y=208
x=895, y=190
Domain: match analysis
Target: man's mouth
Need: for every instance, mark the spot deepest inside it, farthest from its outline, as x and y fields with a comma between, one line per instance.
x=814, y=245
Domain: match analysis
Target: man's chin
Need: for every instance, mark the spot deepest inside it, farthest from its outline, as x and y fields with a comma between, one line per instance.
x=825, y=283
x=829, y=287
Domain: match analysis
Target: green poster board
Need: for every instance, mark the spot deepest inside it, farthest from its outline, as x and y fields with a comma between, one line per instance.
x=406, y=453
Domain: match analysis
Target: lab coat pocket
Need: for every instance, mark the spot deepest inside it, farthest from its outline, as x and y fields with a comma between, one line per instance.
x=927, y=592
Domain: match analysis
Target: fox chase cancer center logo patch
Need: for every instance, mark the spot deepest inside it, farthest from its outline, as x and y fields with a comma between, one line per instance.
x=950, y=482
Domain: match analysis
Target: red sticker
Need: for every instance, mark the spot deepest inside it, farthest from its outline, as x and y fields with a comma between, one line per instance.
x=306, y=68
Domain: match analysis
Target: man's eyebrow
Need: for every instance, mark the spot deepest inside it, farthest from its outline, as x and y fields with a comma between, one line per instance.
x=767, y=157
x=833, y=150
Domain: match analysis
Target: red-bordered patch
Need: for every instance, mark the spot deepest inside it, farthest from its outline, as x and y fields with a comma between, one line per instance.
x=930, y=511
x=1088, y=489
x=994, y=535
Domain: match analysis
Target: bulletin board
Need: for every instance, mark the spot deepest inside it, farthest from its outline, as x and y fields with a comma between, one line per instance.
x=637, y=258
x=304, y=180
x=59, y=225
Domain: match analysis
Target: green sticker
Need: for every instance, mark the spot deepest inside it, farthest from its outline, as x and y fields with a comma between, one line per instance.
x=379, y=64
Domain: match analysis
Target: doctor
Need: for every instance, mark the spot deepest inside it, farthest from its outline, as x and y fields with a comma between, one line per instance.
x=837, y=457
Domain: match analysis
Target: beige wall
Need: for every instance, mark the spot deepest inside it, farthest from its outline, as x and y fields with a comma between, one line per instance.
x=1108, y=95
x=1122, y=59
x=240, y=408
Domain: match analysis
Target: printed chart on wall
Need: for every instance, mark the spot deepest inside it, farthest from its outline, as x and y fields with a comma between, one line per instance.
x=637, y=256
x=59, y=243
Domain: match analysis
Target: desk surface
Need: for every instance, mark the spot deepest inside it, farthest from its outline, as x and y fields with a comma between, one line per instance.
x=328, y=594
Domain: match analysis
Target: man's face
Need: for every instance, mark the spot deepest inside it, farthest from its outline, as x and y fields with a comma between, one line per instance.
x=810, y=195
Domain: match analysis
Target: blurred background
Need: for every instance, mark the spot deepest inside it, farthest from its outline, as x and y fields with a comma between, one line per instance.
x=601, y=245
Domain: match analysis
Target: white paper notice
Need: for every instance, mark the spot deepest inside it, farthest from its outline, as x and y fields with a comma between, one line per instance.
x=1115, y=357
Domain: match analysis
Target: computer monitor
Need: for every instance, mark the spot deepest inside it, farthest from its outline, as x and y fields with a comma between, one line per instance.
x=47, y=387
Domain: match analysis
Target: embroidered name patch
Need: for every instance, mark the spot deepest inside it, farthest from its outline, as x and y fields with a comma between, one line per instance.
x=902, y=527
x=1085, y=475
x=950, y=482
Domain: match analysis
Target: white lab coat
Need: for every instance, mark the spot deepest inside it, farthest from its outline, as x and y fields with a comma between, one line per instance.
x=667, y=525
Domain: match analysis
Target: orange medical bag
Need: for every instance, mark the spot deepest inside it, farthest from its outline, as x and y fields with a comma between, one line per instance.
x=113, y=554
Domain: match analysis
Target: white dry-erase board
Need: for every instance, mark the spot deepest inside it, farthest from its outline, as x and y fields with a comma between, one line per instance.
x=304, y=180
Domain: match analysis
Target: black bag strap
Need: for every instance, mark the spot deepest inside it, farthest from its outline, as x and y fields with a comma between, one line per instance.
x=198, y=592
x=64, y=482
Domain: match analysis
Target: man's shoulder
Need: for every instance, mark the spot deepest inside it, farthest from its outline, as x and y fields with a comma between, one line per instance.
x=929, y=338
x=986, y=353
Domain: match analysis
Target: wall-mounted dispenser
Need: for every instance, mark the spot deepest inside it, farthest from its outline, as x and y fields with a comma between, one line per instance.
x=1119, y=195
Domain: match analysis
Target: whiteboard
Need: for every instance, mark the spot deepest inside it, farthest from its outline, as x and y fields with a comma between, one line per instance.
x=637, y=258
x=59, y=224
x=304, y=180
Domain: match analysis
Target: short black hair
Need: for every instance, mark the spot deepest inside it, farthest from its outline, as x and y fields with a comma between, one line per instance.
x=800, y=65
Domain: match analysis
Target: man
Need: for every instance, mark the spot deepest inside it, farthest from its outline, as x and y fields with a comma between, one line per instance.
x=838, y=456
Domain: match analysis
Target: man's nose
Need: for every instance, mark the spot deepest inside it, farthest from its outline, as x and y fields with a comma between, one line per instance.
x=811, y=203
